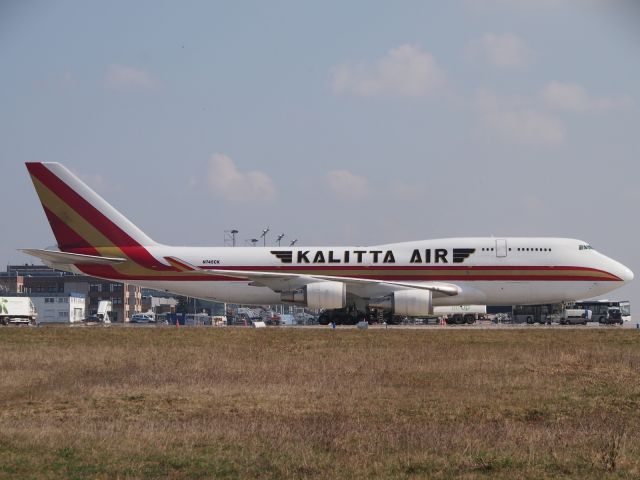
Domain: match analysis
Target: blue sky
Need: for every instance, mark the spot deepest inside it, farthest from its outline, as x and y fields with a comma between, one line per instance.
x=333, y=122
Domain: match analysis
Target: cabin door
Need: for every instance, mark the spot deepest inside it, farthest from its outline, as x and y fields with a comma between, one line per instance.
x=501, y=247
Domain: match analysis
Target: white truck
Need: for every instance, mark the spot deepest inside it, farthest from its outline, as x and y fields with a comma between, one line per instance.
x=452, y=315
x=460, y=314
x=17, y=311
x=575, y=316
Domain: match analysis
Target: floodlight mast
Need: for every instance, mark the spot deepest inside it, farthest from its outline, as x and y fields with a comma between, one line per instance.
x=279, y=239
x=293, y=242
x=263, y=235
x=234, y=232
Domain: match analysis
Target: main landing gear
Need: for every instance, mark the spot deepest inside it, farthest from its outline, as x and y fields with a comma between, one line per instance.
x=344, y=316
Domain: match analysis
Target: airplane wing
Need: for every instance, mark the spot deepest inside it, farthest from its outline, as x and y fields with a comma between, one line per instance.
x=64, y=258
x=281, y=281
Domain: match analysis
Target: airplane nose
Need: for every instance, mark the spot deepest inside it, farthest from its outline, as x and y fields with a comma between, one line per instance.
x=621, y=271
x=627, y=274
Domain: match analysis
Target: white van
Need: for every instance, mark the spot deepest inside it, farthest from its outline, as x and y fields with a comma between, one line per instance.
x=575, y=316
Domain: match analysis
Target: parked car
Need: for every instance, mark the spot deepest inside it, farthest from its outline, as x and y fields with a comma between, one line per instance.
x=142, y=318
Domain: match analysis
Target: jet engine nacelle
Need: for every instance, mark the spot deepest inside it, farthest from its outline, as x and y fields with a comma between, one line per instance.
x=318, y=295
x=406, y=303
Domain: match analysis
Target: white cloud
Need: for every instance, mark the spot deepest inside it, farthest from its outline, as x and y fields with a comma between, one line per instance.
x=525, y=127
x=406, y=191
x=504, y=51
x=227, y=182
x=347, y=185
x=573, y=97
x=486, y=100
x=404, y=71
x=517, y=119
x=124, y=76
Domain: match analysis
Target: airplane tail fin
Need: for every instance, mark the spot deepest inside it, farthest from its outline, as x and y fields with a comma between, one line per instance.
x=81, y=220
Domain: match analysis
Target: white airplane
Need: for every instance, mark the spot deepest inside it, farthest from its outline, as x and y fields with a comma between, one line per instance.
x=407, y=278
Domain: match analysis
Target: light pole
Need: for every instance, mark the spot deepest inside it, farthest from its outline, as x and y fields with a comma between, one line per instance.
x=263, y=235
x=279, y=239
x=234, y=232
x=293, y=242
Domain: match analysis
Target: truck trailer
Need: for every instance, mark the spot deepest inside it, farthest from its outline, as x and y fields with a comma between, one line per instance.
x=17, y=311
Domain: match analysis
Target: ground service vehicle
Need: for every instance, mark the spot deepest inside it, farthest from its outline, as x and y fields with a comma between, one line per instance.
x=17, y=310
x=102, y=314
x=460, y=314
x=104, y=309
x=575, y=316
x=614, y=316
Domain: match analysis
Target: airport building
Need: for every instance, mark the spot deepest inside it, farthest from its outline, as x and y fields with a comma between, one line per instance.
x=40, y=280
x=59, y=307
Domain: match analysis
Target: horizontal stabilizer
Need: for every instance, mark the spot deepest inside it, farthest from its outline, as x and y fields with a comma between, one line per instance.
x=52, y=256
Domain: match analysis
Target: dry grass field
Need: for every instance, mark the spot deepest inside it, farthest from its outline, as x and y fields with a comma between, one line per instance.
x=315, y=403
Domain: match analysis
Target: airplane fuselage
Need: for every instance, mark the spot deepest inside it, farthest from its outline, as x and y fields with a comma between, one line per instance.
x=490, y=271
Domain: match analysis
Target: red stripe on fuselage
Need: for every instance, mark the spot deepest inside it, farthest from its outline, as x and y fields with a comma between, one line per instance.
x=307, y=267
x=93, y=270
x=110, y=273
x=432, y=268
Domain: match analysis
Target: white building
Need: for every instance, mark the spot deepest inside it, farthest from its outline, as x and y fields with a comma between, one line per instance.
x=59, y=307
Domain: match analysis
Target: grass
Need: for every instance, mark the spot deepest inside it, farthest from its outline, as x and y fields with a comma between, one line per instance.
x=314, y=403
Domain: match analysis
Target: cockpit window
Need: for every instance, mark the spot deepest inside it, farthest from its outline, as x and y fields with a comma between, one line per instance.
x=585, y=247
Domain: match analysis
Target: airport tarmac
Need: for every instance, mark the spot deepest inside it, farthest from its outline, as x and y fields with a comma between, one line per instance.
x=501, y=326
x=477, y=326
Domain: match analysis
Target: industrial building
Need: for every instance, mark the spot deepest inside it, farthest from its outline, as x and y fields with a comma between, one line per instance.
x=59, y=307
x=41, y=281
